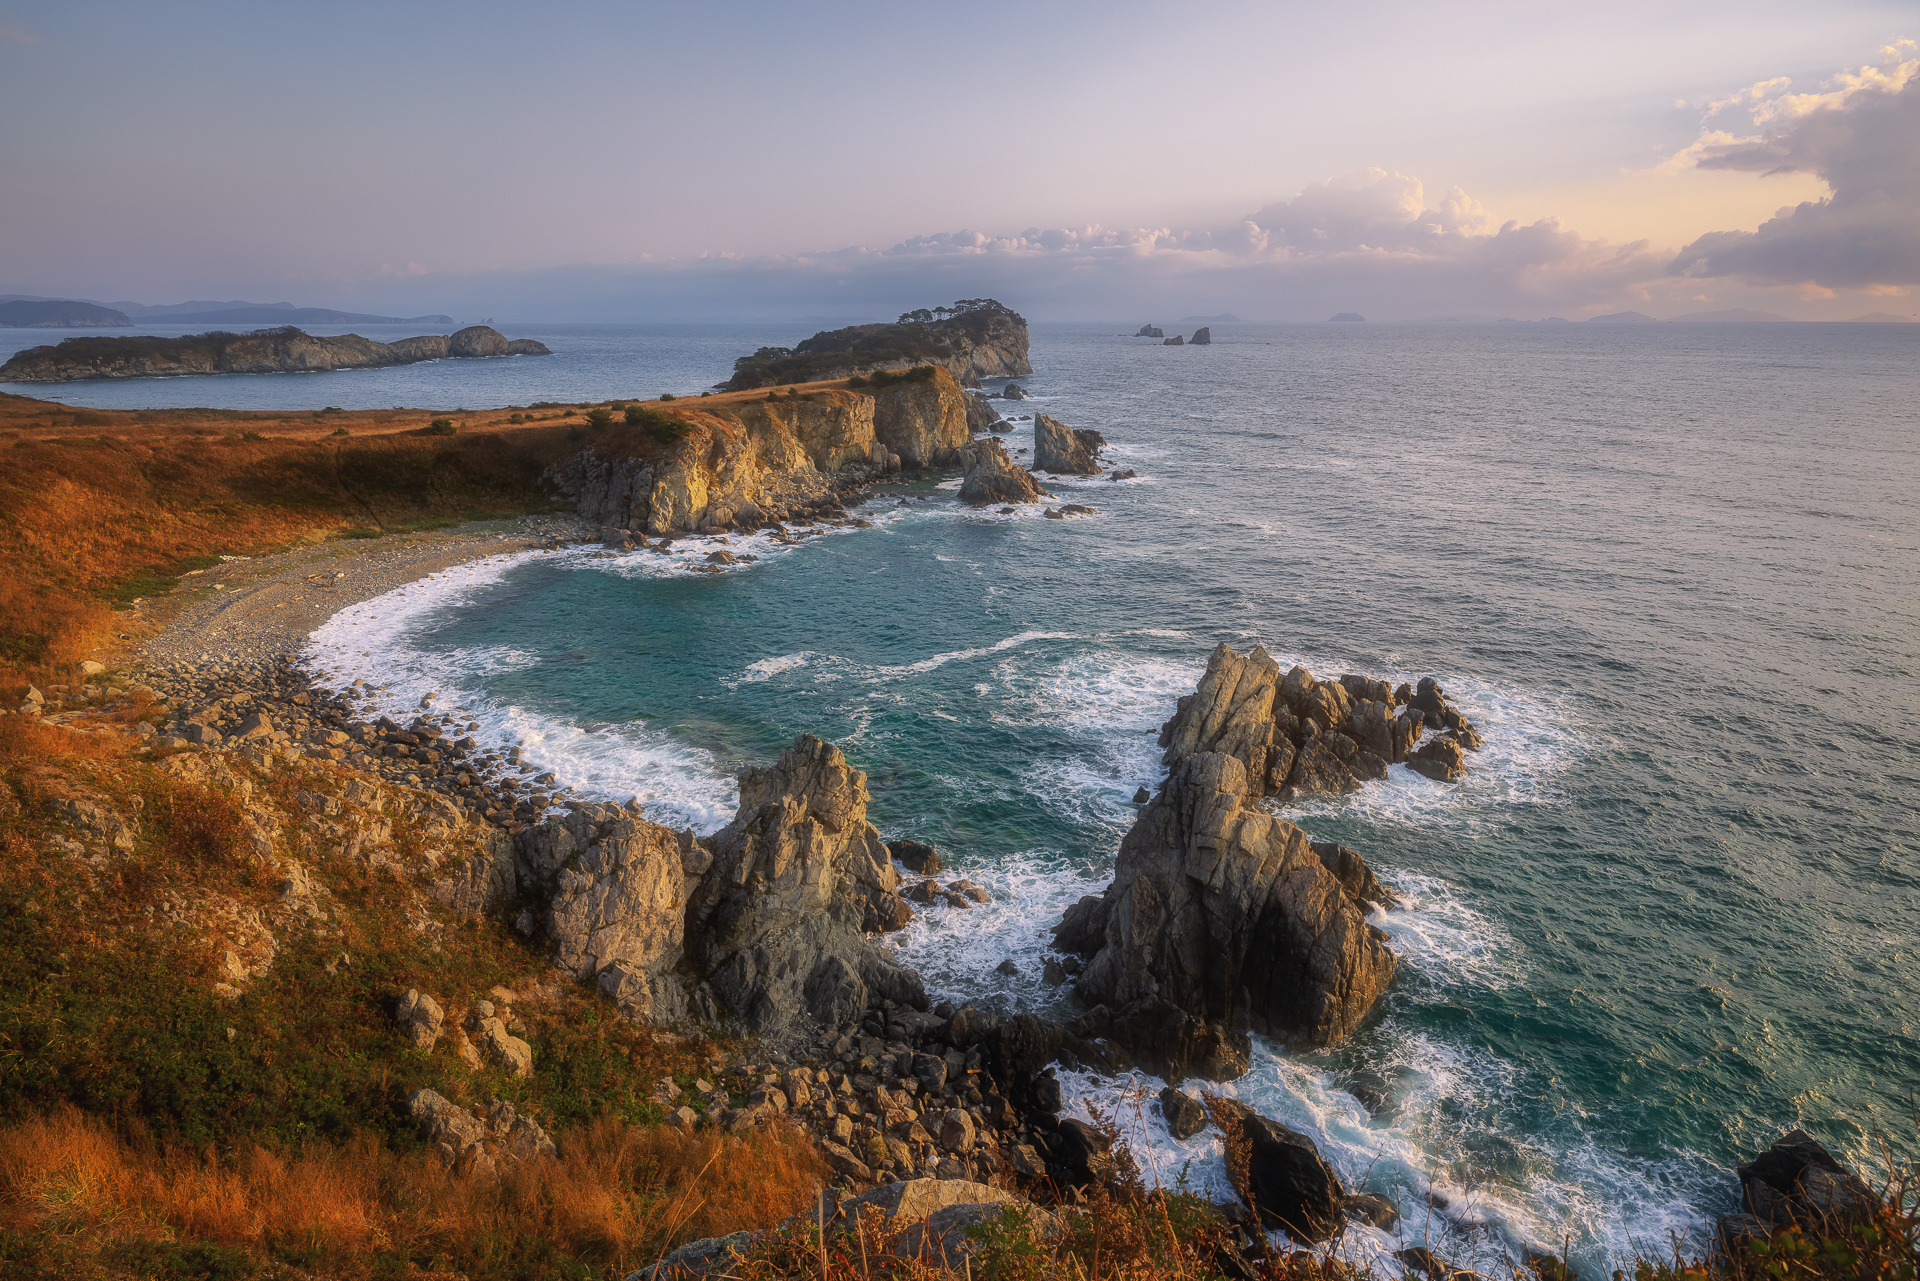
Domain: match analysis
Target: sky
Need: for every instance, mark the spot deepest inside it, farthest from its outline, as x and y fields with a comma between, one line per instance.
x=1111, y=161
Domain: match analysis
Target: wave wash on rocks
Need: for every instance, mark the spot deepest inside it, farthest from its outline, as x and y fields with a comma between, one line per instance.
x=1223, y=919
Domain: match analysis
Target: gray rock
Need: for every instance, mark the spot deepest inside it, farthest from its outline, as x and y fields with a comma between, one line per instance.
x=1201, y=337
x=1149, y=331
x=1175, y=341
x=916, y=856
x=1226, y=915
x=477, y=340
x=991, y=476
x=1288, y=1184
x=1063, y=450
x=1013, y=391
x=1371, y=1208
x=420, y=1018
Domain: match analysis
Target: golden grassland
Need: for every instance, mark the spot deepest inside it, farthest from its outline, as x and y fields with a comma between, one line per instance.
x=98, y=506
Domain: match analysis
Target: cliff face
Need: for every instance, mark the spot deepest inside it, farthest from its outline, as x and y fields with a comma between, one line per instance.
x=268, y=351
x=926, y=423
x=748, y=462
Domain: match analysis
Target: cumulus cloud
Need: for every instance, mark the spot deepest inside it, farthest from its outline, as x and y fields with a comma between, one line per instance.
x=1372, y=239
x=1861, y=136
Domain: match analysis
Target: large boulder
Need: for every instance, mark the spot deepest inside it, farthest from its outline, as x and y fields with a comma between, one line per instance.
x=1064, y=450
x=1798, y=1181
x=778, y=921
x=1201, y=337
x=1286, y=1181
x=1226, y=914
x=992, y=478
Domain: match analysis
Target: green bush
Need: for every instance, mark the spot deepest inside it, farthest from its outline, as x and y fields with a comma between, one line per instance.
x=666, y=395
x=598, y=418
x=441, y=427
x=664, y=428
x=341, y=431
x=251, y=435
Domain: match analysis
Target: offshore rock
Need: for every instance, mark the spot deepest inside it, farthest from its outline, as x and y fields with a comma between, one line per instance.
x=1148, y=331
x=1227, y=915
x=1201, y=337
x=1063, y=450
x=1798, y=1181
x=992, y=478
x=1175, y=341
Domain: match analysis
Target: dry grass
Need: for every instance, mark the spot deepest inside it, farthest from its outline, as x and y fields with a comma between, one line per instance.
x=618, y=1197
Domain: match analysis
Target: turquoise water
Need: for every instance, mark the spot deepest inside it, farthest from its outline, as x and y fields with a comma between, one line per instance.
x=1673, y=572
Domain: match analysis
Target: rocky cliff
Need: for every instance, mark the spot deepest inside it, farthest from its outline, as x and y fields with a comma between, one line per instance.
x=266, y=351
x=982, y=339
x=742, y=461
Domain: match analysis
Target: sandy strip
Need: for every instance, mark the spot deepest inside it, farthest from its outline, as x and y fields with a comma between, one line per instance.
x=252, y=609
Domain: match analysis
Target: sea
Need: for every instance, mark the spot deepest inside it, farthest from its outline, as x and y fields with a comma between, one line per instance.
x=1672, y=572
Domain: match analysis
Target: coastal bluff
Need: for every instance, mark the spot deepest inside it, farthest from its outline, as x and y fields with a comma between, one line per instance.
x=284, y=350
x=977, y=338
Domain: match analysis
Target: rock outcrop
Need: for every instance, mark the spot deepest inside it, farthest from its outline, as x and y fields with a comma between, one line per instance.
x=1150, y=331
x=981, y=339
x=1175, y=341
x=749, y=463
x=981, y=415
x=1222, y=918
x=1280, y=1174
x=1064, y=450
x=1201, y=337
x=1795, y=1181
x=992, y=476
x=925, y=423
x=265, y=351
x=1300, y=737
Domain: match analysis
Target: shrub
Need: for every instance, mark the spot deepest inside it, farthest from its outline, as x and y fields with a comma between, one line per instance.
x=341, y=431
x=517, y=418
x=441, y=427
x=667, y=395
x=251, y=435
x=598, y=418
x=858, y=380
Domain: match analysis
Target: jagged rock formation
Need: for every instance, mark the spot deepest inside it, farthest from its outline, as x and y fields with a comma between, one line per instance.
x=1280, y=1174
x=1201, y=337
x=981, y=415
x=774, y=909
x=1222, y=918
x=992, y=477
x=1065, y=450
x=1175, y=341
x=265, y=351
x=1150, y=331
x=1299, y=737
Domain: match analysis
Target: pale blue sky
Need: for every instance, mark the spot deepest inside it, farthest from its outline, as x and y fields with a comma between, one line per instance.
x=389, y=155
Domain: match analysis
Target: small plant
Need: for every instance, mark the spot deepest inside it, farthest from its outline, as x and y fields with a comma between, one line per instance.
x=598, y=418
x=251, y=435
x=441, y=427
x=858, y=380
x=341, y=431
x=667, y=395
x=517, y=418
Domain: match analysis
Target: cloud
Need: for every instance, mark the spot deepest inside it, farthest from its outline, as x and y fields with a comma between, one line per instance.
x=1372, y=241
x=1862, y=138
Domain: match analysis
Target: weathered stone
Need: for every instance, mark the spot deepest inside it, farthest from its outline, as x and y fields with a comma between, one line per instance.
x=1287, y=1183
x=916, y=856
x=1184, y=1115
x=1225, y=913
x=991, y=476
x=1371, y=1208
x=1063, y=450
x=957, y=1132
x=420, y=1018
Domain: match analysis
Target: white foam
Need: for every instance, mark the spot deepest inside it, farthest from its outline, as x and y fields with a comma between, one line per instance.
x=370, y=640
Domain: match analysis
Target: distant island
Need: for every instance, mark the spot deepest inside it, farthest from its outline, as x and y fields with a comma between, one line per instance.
x=973, y=339
x=1224, y=318
x=1737, y=314
x=1346, y=316
x=284, y=314
x=59, y=314
x=1619, y=318
x=265, y=351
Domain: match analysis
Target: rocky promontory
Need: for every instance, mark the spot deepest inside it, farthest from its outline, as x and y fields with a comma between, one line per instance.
x=264, y=351
x=976, y=338
x=1065, y=450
